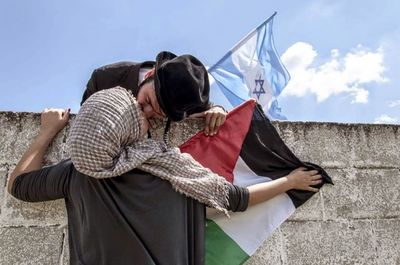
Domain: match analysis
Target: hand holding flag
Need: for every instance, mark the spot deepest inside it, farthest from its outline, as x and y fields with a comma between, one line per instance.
x=213, y=118
x=248, y=150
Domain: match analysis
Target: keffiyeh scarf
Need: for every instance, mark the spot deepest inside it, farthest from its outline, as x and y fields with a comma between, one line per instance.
x=106, y=140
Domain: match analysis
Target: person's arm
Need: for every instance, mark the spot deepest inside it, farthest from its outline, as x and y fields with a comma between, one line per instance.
x=52, y=121
x=300, y=179
x=241, y=198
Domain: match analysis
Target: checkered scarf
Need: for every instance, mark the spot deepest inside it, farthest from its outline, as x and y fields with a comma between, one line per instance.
x=106, y=140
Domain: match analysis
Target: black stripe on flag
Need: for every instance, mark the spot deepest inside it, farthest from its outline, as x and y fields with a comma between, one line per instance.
x=266, y=154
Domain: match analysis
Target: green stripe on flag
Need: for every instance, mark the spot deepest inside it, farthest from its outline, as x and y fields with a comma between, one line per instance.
x=220, y=248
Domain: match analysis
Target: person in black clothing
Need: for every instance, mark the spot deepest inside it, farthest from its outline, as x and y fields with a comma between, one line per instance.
x=185, y=77
x=135, y=218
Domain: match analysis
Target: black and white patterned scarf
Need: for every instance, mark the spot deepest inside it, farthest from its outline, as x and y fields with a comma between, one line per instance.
x=107, y=140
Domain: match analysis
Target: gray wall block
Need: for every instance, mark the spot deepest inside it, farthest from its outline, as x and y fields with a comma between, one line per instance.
x=363, y=193
x=343, y=145
x=387, y=241
x=271, y=252
x=3, y=182
x=30, y=245
x=356, y=221
x=349, y=242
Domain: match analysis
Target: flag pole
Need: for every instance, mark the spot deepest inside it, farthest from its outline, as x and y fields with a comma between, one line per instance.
x=237, y=45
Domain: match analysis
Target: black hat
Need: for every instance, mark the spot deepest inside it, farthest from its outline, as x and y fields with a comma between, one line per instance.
x=181, y=84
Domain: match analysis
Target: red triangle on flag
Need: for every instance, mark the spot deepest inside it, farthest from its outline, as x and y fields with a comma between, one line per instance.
x=221, y=151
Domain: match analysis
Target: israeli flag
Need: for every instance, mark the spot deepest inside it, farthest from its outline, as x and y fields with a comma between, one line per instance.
x=251, y=69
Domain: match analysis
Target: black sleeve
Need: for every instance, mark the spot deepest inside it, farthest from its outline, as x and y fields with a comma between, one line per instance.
x=108, y=76
x=48, y=183
x=91, y=87
x=238, y=198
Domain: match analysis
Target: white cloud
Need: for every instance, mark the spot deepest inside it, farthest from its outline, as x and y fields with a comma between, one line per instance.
x=385, y=119
x=394, y=103
x=340, y=74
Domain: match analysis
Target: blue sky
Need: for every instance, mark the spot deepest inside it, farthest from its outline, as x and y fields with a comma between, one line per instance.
x=343, y=56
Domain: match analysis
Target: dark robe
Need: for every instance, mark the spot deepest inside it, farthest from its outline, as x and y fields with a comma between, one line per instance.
x=135, y=218
x=124, y=74
x=183, y=222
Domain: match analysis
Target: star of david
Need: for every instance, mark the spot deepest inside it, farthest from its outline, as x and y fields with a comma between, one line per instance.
x=260, y=83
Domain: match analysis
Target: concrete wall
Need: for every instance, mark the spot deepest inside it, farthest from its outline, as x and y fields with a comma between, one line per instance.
x=354, y=222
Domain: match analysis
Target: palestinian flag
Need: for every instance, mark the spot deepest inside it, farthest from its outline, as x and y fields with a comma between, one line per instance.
x=247, y=150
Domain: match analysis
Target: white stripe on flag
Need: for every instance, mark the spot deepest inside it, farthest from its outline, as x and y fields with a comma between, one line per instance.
x=246, y=60
x=217, y=95
x=249, y=229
